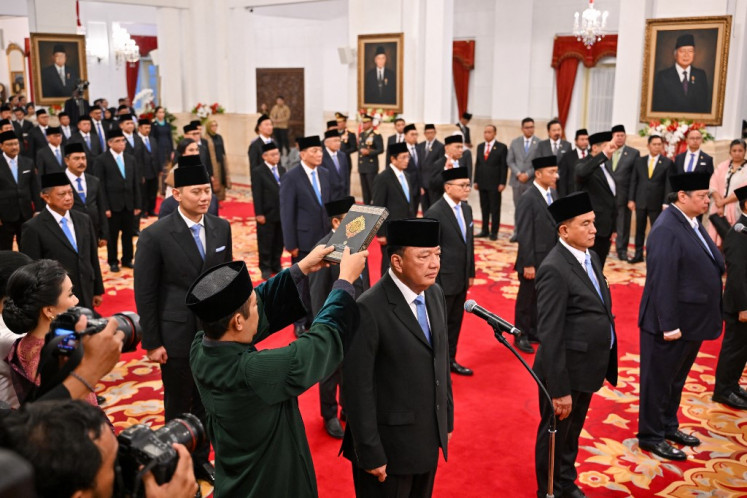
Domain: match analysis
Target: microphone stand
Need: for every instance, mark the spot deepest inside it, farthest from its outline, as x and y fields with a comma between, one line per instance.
x=553, y=428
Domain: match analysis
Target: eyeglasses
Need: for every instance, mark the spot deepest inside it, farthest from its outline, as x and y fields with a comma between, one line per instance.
x=464, y=186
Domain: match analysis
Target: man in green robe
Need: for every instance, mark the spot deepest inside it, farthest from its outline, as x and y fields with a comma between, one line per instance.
x=249, y=395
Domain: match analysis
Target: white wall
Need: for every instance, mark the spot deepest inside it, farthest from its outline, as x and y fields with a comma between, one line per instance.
x=14, y=29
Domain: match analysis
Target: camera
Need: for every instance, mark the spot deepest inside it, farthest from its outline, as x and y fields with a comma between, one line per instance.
x=140, y=445
x=82, y=86
x=63, y=326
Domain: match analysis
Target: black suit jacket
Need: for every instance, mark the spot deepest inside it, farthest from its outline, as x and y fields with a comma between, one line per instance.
x=94, y=206
x=536, y=229
x=148, y=160
x=434, y=180
x=388, y=193
x=683, y=280
x=266, y=192
x=167, y=262
x=703, y=163
x=433, y=154
x=567, y=173
x=465, y=133
x=37, y=140
x=91, y=153
x=46, y=162
x=457, y=255
x=397, y=387
x=255, y=153
x=95, y=134
x=648, y=193
x=544, y=148
x=73, y=110
x=120, y=194
x=384, y=94
x=340, y=182
x=205, y=158
x=735, y=253
x=304, y=220
x=18, y=201
x=669, y=96
x=492, y=172
x=591, y=179
x=43, y=238
x=573, y=325
x=416, y=170
x=52, y=85
x=22, y=131
x=320, y=282
x=623, y=173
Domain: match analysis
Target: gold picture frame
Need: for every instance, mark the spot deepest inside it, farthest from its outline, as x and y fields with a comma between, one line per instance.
x=663, y=95
x=49, y=86
x=380, y=89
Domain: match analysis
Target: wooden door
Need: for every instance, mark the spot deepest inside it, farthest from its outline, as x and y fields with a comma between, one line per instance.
x=287, y=82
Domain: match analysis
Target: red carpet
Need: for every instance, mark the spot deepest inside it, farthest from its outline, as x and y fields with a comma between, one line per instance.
x=492, y=450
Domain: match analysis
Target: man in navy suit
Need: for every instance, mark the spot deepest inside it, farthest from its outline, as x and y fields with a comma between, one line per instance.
x=303, y=193
x=336, y=163
x=682, y=87
x=693, y=159
x=680, y=308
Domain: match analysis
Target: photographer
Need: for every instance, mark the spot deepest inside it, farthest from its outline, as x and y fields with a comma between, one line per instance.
x=77, y=106
x=73, y=452
x=36, y=294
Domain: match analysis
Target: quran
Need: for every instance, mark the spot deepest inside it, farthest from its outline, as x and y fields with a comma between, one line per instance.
x=356, y=231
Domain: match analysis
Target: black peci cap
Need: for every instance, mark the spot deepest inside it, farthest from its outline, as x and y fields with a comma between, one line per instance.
x=413, y=232
x=56, y=179
x=690, y=181
x=544, y=162
x=570, y=206
x=220, y=291
x=339, y=207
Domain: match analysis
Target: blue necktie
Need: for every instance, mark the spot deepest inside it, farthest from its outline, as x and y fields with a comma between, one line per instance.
x=700, y=236
x=14, y=169
x=414, y=155
x=404, y=186
x=131, y=139
x=68, y=233
x=81, y=193
x=690, y=166
x=423, y=317
x=147, y=143
x=458, y=210
x=593, y=277
x=58, y=156
x=120, y=163
x=337, y=163
x=87, y=138
x=315, y=184
x=275, y=174
x=549, y=198
x=100, y=132
x=526, y=146
x=196, y=234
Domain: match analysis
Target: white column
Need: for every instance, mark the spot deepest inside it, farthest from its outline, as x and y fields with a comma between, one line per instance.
x=512, y=53
x=169, y=27
x=437, y=64
x=413, y=27
x=631, y=39
x=52, y=16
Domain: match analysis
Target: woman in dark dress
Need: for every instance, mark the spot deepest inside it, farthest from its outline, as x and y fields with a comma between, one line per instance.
x=217, y=151
x=160, y=131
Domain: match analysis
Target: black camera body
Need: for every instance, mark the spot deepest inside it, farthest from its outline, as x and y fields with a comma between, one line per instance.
x=63, y=326
x=139, y=445
x=82, y=86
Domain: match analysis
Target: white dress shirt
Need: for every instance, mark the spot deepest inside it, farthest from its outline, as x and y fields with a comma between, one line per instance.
x=74, y=181
x=409, y=296
x=191, y=223
x=55, y=149
x=681, y=71
x=58, y=219
x=66, y=131
x=453, y=205
x=579, y=255
x=308, y=171
x=542, y=191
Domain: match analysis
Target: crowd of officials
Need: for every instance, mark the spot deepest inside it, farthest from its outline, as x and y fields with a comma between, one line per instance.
x=382, y=352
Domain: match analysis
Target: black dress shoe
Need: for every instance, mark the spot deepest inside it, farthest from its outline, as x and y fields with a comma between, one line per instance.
x=622, y=256
x=685, y=439
x=493, y=236
x=733, y=400
x=636, y=259
x=333, y=428
x=459, y=369
x=522, y=344
x=206, y=472
x=573, y=493
x=128, y=265
x=513, y=238
x=741, y=393
x=298, y=330
x=481, y=235
x=664, y=450
x=114, y=268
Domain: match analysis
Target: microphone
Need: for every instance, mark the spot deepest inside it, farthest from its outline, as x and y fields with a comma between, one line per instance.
x=494, y=320
x=739, y=228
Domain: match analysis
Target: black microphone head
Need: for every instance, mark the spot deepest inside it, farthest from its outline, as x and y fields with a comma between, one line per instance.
x=470, y=305
x=739, y=227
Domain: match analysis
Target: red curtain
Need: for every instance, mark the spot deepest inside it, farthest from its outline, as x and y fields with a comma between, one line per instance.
x=145, y=44
x=566, y=54
x=463, y=61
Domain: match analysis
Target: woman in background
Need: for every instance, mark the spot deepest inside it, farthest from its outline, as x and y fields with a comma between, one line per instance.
x=160, y=131
x=728, y=176
x=217, y=151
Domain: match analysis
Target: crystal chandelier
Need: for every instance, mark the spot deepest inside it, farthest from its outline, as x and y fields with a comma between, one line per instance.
x=590, y=27
x=125, y=48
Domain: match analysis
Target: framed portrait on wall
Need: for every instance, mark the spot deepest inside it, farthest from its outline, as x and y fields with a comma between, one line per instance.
x=58, y=64
x=684, y=68
x=380, y=71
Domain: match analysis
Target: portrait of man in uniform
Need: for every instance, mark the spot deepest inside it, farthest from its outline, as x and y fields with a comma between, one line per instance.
x=380, y=71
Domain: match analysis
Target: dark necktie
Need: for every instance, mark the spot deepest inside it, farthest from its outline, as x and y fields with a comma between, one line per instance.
x=684, y=82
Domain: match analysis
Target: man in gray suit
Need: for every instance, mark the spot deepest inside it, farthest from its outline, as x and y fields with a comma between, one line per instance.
x=622, y=168
x=554, y=145
x=520, y=154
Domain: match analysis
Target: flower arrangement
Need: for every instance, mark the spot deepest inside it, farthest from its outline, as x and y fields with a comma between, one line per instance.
x=55, y=109
x=143, y=100
x=203, y=111
x=673, y=132
x=379, y=115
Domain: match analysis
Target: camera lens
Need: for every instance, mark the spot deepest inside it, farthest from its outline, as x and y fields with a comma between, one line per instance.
x=186, y=430
x=129, y=323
